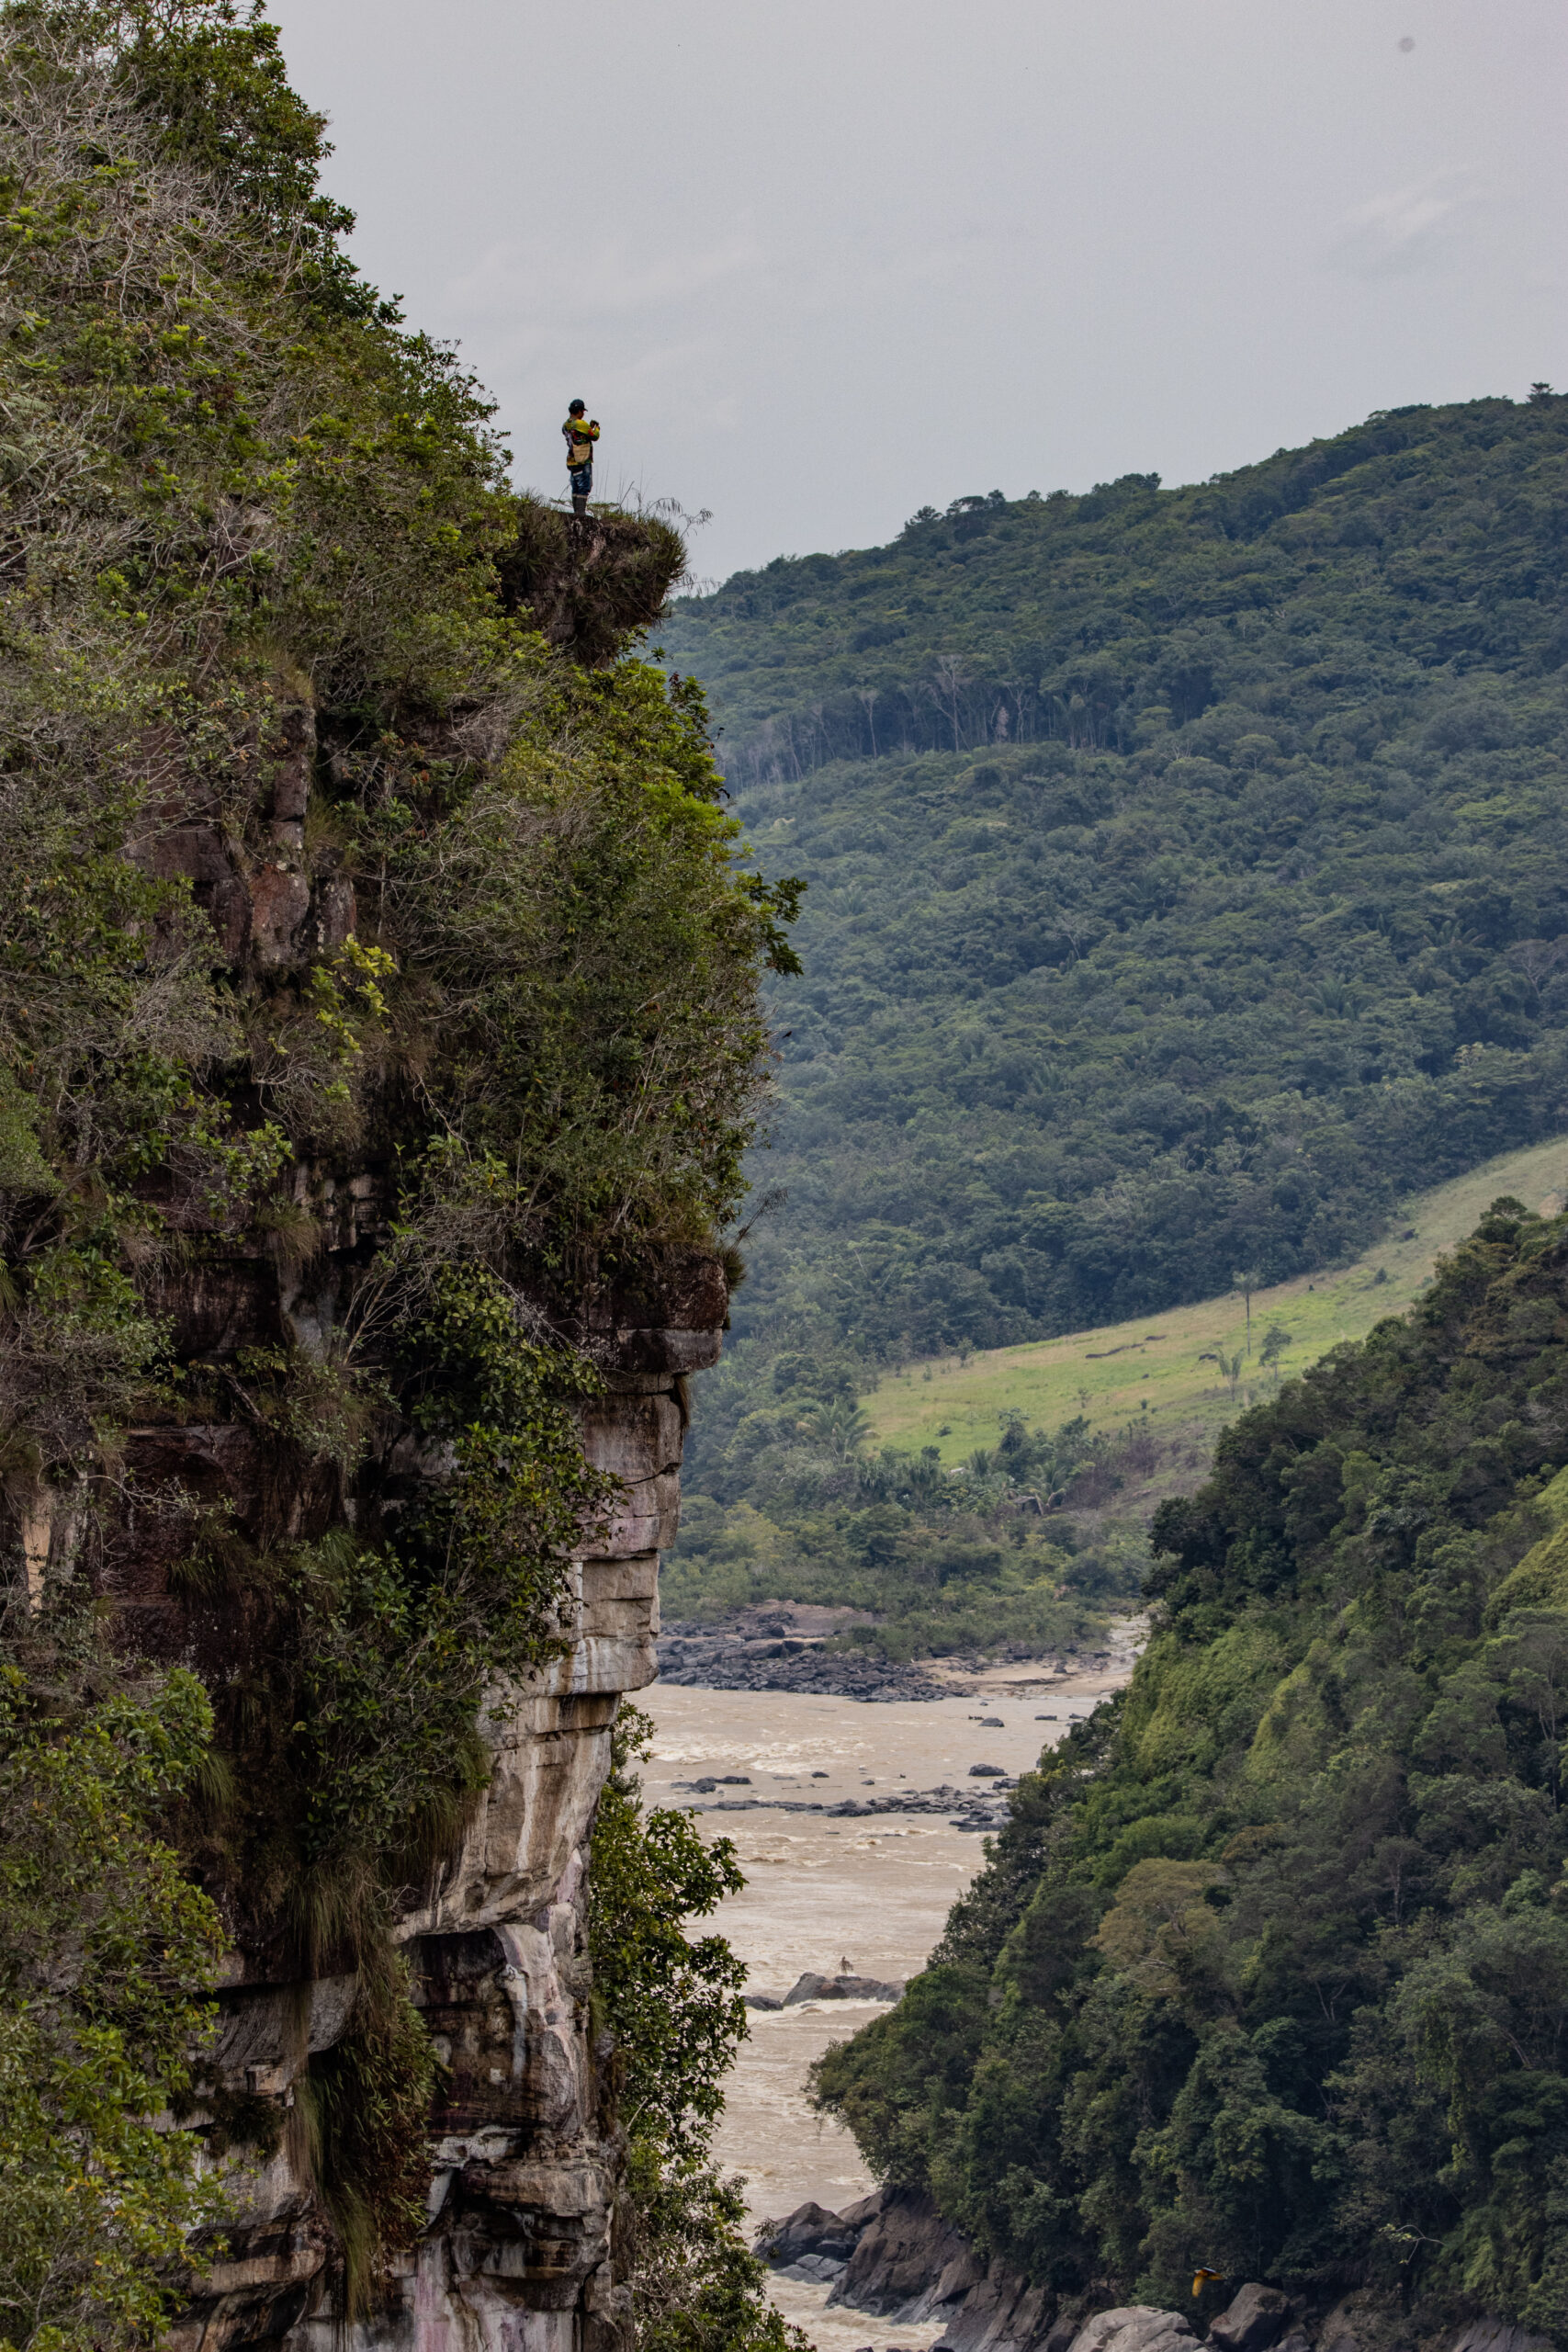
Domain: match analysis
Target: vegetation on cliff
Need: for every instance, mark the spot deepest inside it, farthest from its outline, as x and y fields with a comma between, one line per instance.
x=1269, y=1969
x=672, y=2003
x=346, y=842
x=106, y=1950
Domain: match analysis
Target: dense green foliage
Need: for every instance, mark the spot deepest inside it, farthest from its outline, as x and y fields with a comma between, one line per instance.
x=1269, y=1969
x=368, y=2113
x=105, y=1952
x=242, y=491
x=240, y=510
x=355, y=1731
x=259, y=541
x=797, y=1507
x=673, y=2005
x=673, y=2008
x=1185, y=873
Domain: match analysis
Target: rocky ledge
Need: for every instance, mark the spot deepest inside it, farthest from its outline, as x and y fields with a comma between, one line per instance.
x=894, y=2257
x=775, y=1657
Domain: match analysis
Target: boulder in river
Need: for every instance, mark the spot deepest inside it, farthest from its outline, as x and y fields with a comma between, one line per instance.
x=812, y=1987
x=1255, y=2318
x=810, y=2231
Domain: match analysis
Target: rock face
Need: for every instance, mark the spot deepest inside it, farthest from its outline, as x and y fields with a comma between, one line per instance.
x=525, y=2158
x=1139, y=2327
x=1255, y=2318
x=894, y=2256
x=517, y=2253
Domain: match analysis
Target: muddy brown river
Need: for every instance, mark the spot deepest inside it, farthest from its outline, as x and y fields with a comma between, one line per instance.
x=865, y=1896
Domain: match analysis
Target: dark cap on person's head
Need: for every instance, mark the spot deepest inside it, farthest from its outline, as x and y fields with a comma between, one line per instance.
x=575, y=407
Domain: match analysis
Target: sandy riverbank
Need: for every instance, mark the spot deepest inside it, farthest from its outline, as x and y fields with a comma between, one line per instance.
x=870, y=1894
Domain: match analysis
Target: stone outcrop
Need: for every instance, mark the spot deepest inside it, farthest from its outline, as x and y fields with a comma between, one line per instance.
x=812, y=1987
x=517, y=2252
x=1136, y=2327
x=586, y=583
x=894, y=2257
x=1254, y=2319
x=524, y=2155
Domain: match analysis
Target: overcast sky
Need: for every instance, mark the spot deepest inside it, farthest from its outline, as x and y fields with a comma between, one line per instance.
x=814, y=264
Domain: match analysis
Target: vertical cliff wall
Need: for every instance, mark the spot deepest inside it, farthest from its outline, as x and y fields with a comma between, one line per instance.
x=379, y=1046
x=523, y=2151
x=524, y=2157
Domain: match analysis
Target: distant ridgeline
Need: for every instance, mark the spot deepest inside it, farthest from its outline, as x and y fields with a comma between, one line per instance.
x=1188, y=874
x=1269, y=1969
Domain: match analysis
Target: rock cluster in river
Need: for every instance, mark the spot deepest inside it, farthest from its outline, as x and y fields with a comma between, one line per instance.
x=725, y=1658
x=788, y=1647
x=977, y=1809
x=812, y=1987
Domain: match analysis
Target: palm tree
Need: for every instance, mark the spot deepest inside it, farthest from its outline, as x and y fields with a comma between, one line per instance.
x=841, y=1428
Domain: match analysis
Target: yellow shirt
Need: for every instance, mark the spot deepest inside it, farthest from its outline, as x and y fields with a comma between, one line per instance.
x=580, y=439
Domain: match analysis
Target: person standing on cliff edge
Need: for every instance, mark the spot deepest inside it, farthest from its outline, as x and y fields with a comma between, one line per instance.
x=579, y=436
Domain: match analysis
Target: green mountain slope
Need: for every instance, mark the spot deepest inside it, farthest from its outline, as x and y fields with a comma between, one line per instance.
x=1168, y=1374
x=1270, y=1969
x=1187, y=875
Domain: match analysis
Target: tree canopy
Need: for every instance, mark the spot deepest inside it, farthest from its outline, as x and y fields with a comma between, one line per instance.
x=1269, y=1969
x=1186, y=870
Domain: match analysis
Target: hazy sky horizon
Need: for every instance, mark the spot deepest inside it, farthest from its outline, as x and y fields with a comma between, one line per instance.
x=814, y=268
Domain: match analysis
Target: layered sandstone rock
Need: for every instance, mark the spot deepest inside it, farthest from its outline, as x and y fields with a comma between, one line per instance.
x=517, y=2252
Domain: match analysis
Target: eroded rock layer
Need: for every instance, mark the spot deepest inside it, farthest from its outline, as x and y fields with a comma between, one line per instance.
x=524, y=2160
x=525, y=2165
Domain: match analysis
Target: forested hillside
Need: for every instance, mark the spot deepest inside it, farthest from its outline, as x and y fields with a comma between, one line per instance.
x=1269, y=1971
x=1186, y=873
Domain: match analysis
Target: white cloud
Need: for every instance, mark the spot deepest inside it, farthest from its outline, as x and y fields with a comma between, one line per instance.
x=1417, y=227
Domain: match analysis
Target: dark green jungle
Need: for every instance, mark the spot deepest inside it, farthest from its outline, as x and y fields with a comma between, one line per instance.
x=1269, y=1969
x=1187, y=877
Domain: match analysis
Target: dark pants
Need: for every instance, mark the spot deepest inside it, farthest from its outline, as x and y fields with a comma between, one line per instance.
x=582, y=478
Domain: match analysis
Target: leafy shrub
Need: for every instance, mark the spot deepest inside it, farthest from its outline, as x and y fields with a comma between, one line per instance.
x=106, y=1953
x=675, y=2015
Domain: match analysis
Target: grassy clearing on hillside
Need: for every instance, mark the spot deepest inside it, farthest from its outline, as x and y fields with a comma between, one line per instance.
x=1150, y=1366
